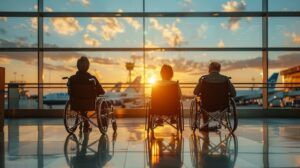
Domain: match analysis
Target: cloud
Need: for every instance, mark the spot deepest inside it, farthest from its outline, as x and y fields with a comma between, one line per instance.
x=171, y=33
x=234, y=6
x=104, y=61
x=221, y=44
x=133, y=22
x=201, y=31
x=233, y=23
x=3, y=19
x=109, y=27
x=294, y=37
x=90, y=41
x=19, y=42
x=91, y=28
x=66, y=26
x=150, y=44
x=85, y=2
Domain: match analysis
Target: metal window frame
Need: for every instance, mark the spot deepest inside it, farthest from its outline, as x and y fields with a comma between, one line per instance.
x=265, y=14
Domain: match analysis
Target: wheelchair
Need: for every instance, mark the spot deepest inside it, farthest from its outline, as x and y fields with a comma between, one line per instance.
x=95, y=106
x=215, y=104
x=165, y=104
x=165, y=151
x=80, y=153
x=220, y=150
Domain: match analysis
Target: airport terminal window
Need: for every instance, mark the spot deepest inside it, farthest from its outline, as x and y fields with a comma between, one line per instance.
x=284, y=32
x=179, y=32
x=94, y=6
x=219, y=32
x=286, y=5
x=202, y=5
x=93, y=32
x=21, y=68
x=242, y=67
x=18, y=5
x=109, y=68
x=17, y=32
x=284, y=92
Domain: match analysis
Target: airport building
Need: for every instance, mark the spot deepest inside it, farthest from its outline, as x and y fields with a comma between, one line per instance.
x=127, y=44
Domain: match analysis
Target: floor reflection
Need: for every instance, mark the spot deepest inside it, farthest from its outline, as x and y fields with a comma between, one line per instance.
x=80, y=152
x=164, y=151
x=219, y=150
x=44, y=143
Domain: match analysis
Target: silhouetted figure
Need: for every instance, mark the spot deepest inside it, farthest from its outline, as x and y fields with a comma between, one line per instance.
x=167, y=73
x=83, y=78
x=214, y=76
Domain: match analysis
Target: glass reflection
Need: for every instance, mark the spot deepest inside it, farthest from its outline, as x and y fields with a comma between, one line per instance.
x=216, y=151
x=164, y=151
x=80, y=153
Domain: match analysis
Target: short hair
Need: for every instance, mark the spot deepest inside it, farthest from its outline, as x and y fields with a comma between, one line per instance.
x=214, y=67
x=83, y=64
x=166, y=72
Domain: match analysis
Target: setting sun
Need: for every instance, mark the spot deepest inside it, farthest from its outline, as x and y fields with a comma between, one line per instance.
x=152, y=80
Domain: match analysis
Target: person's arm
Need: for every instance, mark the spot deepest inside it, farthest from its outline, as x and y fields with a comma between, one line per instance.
x=99, y=88
x=232, y=89
x=197, y=88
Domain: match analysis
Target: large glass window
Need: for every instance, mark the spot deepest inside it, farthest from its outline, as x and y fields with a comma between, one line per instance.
x=203, y=32
x=20, y=69
x=94, y=6
x=203, y=5
x=93, y=32
x=284, y=32
x=18, y=5
x=16, y=32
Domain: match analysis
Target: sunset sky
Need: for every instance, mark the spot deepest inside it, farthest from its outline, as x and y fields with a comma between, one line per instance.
x=160, y=32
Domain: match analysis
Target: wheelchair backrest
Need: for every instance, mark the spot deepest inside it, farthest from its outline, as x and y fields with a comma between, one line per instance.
x=214, y=96
x=82, y=94
x=165, y=99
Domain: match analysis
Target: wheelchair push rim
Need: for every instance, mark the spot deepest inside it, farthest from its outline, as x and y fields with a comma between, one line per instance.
x=103, y=116
x=70, y=118
x=192, y=118
x=231, y=117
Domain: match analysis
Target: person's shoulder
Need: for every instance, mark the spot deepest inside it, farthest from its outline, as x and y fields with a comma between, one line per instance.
x=224, y=76
x=203, y=77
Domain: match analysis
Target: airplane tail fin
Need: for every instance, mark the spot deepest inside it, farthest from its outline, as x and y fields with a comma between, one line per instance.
x=272, y=81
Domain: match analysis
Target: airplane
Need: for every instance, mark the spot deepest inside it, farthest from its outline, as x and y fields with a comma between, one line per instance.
x=243, y=96
x=131, y=97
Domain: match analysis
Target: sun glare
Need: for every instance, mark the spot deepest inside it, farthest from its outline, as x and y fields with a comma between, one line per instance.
x=152, y=80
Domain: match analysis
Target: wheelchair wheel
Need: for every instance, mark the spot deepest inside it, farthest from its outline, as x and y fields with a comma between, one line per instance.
x=103, y=151
x=192, y=119
x=232, y=149
x=114, y=125
x=103, y=116
x=231, y=117
x=71, y=148
x=70, y=118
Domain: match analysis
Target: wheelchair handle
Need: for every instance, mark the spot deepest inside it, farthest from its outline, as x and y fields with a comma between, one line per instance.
x=64, y=78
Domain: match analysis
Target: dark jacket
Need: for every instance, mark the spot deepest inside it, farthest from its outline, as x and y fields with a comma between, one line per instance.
x=215, y=77
x=85, y=78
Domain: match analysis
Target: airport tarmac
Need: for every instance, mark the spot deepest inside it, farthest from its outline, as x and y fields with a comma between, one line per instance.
x=45, y=143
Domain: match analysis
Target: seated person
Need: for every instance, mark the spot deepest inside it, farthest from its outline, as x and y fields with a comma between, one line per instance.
x=82, y=77
x=166, y=73
x=214, y=76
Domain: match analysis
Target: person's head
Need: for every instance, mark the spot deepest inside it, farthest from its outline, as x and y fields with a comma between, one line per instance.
x=83, y=64
x=166, y=72
x=214, y=67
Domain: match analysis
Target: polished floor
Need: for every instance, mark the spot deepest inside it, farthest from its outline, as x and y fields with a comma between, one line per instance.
x=44, y=143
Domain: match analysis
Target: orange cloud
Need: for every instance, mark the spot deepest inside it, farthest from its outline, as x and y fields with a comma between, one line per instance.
x=109, y=27
x=66, y=26
x=171, y=33
x=90, y=41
